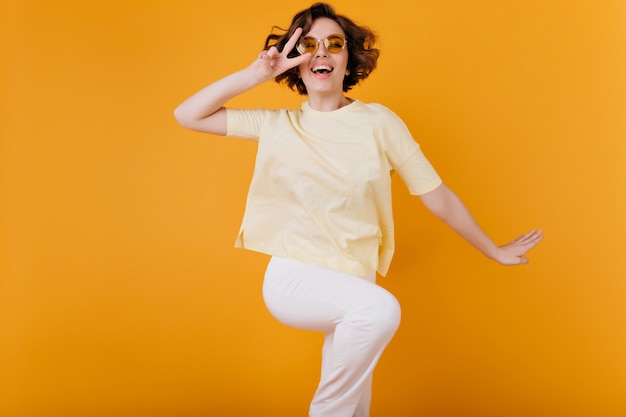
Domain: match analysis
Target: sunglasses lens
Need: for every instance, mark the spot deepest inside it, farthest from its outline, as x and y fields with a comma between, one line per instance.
x=307, y=45
x=335, y=44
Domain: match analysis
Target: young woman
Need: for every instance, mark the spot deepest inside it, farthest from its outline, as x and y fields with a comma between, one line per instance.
x=320, y=198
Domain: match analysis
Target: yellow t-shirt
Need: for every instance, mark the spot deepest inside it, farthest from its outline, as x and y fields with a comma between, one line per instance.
x=321, y=189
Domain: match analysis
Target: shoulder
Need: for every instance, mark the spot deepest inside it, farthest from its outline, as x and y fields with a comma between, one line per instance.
x=380, y=111
x=384, y=118
x=260, y=114
x=248, y=112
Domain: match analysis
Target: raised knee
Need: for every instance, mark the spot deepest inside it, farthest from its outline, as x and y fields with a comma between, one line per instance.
x=383, y=316
x=390, y=312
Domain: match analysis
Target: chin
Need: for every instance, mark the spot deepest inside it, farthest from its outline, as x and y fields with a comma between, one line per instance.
x=323, y=89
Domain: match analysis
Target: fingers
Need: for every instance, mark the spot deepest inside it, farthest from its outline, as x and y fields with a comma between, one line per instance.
x=514, y=252
x=278, y=61
x=525, y=236
x=272, y=52
x=534, y=233
x=292, y=41
x=531, y=236
x=534, y=237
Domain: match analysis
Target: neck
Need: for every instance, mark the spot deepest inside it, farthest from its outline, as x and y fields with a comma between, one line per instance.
x=325, y=103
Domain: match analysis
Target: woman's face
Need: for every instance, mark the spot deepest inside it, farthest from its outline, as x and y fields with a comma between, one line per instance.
x=323, y=73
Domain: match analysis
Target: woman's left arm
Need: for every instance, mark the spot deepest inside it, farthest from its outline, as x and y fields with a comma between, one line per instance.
x=444, y=204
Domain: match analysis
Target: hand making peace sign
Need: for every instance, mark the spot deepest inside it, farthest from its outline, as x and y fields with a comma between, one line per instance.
x=271, y=62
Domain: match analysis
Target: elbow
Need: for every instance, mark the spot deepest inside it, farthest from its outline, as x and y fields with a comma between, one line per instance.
x=185, y=120
x=181, y=118
x=213, y=123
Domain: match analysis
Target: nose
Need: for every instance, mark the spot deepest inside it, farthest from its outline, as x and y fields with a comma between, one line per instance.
x=321, y=48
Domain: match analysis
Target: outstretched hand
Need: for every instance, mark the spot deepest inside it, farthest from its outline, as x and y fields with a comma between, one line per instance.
x=513, y=253
x=271, y=62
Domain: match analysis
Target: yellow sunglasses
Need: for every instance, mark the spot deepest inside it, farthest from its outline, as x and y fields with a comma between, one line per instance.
x=333, y=43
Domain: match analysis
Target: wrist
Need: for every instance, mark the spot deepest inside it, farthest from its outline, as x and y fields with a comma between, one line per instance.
x=255, y=74
x=495, y=254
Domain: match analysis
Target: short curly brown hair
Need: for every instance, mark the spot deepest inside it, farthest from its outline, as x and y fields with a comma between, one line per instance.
x=362, y=55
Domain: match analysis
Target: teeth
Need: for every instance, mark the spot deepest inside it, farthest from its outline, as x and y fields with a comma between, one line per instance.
x=322, y=68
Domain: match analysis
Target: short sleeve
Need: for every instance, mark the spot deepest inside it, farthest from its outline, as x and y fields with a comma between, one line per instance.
x=418, y=174
x=407, y=158
x=245, y=124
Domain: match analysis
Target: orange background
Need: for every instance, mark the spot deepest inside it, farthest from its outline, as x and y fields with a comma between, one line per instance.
x=121, y=293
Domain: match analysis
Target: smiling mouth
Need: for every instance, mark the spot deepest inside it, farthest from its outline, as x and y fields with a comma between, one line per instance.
x=322, y=69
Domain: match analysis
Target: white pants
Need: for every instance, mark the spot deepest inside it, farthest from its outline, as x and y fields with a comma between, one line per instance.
x=357, y=316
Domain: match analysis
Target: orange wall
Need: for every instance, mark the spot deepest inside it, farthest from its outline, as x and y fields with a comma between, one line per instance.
x=121, y=294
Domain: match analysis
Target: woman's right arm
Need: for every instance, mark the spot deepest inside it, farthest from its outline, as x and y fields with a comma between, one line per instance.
x=204, y=111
